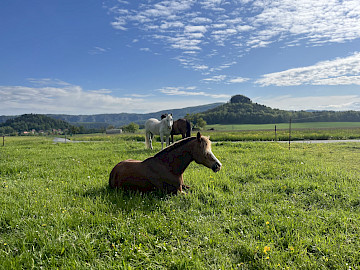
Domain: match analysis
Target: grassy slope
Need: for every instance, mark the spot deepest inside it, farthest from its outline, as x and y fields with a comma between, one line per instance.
x=267, y=208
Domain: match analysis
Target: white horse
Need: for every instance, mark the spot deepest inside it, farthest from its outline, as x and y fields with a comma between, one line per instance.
x=156, y=127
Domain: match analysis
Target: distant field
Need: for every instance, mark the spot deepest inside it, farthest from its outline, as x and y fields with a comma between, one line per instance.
x=300, y=131
x=295, y=125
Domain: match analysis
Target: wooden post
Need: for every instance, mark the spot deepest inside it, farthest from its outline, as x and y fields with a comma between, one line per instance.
x=275, y=134
x=289, y=132
x=3, y=140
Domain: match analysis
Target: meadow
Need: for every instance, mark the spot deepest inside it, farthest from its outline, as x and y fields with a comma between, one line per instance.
x=268, y=208
x=295, y=125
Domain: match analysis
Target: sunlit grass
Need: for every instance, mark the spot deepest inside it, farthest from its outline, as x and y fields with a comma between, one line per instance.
x=268, y=208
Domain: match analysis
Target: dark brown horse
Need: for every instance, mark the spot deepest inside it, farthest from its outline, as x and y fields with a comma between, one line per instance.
x=180, y=126
x=165, y=170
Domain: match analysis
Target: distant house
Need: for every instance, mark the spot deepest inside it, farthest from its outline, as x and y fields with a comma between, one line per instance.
x=114, y=131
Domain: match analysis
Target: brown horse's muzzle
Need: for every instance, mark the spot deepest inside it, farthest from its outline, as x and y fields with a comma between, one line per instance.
x=216, y=167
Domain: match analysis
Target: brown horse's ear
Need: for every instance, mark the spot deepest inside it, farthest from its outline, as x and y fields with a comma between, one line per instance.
x=198, y=136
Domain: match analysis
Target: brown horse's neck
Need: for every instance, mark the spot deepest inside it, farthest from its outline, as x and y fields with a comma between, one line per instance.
x=177, y=156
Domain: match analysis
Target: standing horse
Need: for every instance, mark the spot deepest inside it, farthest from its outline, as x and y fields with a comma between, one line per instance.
x=165, y=170
x=181, y=126
x=156, y=127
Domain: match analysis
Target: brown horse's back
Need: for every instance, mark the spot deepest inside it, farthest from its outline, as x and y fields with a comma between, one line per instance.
x=130, y=174
x=181, y=126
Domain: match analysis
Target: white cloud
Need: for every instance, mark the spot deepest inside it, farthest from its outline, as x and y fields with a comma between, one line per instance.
x=335, y=103
x=54, y=96
x=238, y=80
x=97, y=50
x=195, y=28
x=181, y=91
x=240, y=25
x=217, y=78
x=341, y=71
x=200, y=67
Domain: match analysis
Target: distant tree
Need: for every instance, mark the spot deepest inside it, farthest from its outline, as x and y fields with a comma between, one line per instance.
x=201, y=123
x=7, y=131
x=196, y=120
x=74, y=130
x=132, y=127
x=28, y=122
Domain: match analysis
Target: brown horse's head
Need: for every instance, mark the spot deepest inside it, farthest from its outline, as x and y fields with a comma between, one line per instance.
x=202, y=153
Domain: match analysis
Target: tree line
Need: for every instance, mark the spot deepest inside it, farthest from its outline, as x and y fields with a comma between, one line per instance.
x=241, y=110
x=32, y=124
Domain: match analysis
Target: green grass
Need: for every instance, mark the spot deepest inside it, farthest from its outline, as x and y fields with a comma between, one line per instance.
x=299, y=131
x=309, y=125
x=268, y=208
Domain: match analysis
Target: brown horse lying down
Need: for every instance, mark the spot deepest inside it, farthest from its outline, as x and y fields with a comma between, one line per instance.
x=165, y=170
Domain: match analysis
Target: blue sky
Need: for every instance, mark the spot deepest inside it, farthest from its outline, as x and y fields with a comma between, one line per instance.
x=113, y=56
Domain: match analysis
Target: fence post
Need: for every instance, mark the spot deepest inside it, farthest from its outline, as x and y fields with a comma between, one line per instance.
x=289, y=132
x=3, y=140
x=275, y=134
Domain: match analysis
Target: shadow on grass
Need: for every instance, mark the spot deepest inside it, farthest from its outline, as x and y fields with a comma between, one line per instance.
x=126, y=200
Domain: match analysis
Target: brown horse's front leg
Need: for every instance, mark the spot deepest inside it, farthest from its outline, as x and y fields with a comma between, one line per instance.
x=186, y=187
x=170, y=189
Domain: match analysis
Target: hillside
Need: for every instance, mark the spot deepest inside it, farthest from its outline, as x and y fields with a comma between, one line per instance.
x=241, y=110
x=121, y=119
x=29, y=122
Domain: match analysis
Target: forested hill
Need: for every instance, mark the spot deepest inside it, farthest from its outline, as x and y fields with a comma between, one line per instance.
x=28, y=122
x=241, y=110
x=120, y=119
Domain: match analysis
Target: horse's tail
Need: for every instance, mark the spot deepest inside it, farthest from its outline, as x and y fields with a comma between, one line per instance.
x=188, y=128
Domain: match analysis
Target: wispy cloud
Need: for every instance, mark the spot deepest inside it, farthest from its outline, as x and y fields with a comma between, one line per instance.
x=238, y=80
x=97, y=50
x=190, y=26
x=182, y=91
x=340, y=71
x=225, y=79
x=217, y=78
x=56, y=96
x=333, y=103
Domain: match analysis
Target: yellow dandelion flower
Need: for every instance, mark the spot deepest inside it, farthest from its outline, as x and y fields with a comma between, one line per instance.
x=266, y=249
x=267, y=222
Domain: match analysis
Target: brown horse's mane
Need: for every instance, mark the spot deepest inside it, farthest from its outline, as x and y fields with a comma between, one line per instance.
x=175, y=145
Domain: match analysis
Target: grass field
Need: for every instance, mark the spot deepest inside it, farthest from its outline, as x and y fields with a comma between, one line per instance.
x=268, y=208
x=294, y=125
x=299, y=132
